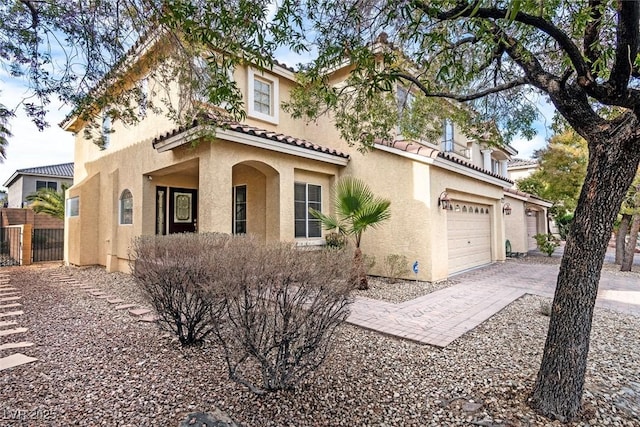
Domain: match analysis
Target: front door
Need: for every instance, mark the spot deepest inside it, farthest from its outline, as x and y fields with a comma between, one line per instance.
x=183, y=210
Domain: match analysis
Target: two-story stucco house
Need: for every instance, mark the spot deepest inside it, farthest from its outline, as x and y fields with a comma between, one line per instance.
x=24, y=182
x=449, y=198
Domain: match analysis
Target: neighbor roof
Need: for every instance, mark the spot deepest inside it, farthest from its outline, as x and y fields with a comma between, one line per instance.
x=516, y=163
x=63, y=170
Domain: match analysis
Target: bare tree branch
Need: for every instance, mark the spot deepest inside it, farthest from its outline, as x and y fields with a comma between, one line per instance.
x=627, y=44
x=470, y=10
x=34, y=13
x=592, y=32
x=459, y=97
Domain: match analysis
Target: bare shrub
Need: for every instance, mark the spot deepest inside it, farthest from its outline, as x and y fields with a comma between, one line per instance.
x=395, y=266
x=172, y=271
x=281, y=308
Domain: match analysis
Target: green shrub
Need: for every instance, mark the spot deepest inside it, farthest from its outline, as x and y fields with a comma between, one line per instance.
x=336, y=240
x=396, y=266
x=564, y=225
x=547, y=243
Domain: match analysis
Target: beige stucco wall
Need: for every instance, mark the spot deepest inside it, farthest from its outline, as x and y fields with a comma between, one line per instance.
x=417, y=228
x=516, y=225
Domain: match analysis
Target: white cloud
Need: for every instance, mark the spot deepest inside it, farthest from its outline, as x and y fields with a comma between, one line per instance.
x=29, y=147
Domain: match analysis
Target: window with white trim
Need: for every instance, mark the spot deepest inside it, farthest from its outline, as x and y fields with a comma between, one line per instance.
x=263, y=96
x=240, y=209
x=307, y=196
x=126, y=208
x=72, y=207
x=447, y=136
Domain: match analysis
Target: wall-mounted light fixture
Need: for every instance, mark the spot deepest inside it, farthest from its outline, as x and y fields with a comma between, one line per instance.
x=444, y=201
x=506, y=209
x=529, y=212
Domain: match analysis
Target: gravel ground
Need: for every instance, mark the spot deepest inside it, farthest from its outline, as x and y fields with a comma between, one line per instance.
x=99, y=366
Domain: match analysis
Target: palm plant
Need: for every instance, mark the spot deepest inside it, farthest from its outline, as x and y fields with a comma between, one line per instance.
x=357, y=209
x=48, y=201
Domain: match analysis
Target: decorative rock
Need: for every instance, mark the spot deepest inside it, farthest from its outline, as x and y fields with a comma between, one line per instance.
x=15, y=345
x=125, y=306
x=217, y=418
x=139, y=311
x=471, y=406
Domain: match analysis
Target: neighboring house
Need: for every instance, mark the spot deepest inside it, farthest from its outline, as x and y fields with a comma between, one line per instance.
x=521, y=168
x=29, y=180
x=448, y=197
x=3, y=199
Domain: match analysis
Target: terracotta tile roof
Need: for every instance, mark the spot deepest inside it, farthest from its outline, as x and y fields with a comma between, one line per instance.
x=523, y=194
x=421, y=150
x=250, y=130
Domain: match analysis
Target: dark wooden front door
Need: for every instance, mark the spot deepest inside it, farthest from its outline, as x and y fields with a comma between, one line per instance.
x=183, y=210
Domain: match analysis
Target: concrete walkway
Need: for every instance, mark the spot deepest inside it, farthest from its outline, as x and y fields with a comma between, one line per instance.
x=442, y=316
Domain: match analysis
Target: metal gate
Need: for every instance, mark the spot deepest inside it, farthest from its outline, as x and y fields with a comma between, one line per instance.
x=47, y=244
x=10, y=246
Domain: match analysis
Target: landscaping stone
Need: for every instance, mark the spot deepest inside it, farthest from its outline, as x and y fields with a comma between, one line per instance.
x=16, y=359
x=5, y=332
x=5, y=323
x=13, y=305
x=139, y=312
x=12, y=313
x=150, y=318
x=125, y=306
x=13, y=345
x=7, y=299
x=217, y=418
x=115, y=301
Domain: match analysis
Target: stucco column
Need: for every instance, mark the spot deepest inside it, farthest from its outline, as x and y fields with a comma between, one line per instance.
x=503, y=167
x=486, y=158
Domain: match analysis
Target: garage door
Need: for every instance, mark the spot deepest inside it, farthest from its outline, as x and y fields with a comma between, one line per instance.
x=469, y=236
x=532, y=229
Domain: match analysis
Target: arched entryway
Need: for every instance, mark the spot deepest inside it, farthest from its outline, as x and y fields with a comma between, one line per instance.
x=256, y=200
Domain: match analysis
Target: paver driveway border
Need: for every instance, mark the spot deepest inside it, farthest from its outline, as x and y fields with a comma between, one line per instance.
x=442, y=316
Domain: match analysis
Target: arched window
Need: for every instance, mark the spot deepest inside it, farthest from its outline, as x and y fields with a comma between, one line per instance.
x=126, y=207
x=464, y=208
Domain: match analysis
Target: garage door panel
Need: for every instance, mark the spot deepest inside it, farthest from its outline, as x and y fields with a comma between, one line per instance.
x=469, y=236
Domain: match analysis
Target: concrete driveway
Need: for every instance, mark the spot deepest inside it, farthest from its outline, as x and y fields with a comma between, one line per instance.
x=442, y=316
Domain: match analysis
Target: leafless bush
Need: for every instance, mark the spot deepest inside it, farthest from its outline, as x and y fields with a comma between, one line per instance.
x=172, y=271
x=281, y=308
x=395, y=266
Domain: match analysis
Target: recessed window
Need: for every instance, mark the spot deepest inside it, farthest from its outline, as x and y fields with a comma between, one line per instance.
x=447, y=136
x=126, y=208
x=73, y=207
x=307, y=196
x=240, y=209
x=52, y=185
x=263, y=96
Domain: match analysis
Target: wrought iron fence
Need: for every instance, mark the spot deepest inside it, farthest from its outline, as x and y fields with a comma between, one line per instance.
x=10, y=246
x=47, y=244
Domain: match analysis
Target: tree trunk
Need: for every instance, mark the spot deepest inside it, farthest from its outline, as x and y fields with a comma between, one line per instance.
x=630, y=248
x=358, y=273
x=621, y=237
x=613, y=160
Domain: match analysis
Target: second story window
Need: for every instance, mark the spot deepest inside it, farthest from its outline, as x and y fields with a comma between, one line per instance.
x=263, y=100
x=52, y=185
x=447, y=136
